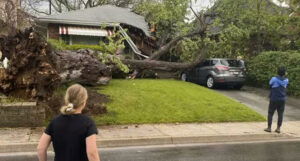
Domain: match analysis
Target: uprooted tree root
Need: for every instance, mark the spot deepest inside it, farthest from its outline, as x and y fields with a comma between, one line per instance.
x=31, y=73
x=35, y=71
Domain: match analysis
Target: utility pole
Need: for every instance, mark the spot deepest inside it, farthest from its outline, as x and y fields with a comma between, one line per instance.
x=50, y=3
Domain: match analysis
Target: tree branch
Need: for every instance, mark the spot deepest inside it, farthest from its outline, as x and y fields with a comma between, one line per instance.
x=165, y=48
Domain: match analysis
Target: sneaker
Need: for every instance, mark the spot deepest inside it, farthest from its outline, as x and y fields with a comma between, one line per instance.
x=267, y=129
x=277, y=130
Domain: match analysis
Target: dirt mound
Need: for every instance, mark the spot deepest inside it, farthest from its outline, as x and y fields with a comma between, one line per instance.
x=95, y=105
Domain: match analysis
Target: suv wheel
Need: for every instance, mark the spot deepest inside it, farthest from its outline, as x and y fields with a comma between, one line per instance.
x=210, y=82
x=184, y=77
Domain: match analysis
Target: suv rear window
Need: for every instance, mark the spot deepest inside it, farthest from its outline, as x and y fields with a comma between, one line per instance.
x=231, y=63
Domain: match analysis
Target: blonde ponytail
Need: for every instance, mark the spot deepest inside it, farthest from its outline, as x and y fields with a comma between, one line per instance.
x=76, y=97
x=68, y=109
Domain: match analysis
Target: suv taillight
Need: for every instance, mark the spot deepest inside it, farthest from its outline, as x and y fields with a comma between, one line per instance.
x=222, y=68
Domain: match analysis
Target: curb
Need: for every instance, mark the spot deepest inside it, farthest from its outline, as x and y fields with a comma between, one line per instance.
x=189, y=139
x=123, y=142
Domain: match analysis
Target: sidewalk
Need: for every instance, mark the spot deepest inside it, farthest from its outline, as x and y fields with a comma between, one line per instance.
x=25, y=139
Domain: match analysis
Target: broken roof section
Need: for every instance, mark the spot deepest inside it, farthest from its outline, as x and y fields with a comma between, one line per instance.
x=98, y=16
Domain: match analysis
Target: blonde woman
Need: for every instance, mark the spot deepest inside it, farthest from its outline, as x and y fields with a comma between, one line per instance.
x=73, y=134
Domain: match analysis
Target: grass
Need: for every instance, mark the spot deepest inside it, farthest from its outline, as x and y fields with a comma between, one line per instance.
x=60, y=45
x=169, y=101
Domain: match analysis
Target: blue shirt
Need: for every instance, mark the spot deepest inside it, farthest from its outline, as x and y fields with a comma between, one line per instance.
x=278, y=88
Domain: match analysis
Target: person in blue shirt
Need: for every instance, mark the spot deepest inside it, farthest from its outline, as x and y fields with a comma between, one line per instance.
x=278, y=87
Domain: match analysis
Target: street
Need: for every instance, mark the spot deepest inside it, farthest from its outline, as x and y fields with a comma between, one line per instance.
x=258, y=151
x=258, y=100
x=277, y=151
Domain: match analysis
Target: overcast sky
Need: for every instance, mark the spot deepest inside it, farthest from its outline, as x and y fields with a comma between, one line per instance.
x=202, y=4
x=197, y=5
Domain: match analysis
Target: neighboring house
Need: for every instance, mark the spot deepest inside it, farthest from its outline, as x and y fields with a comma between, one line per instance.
x=89, y=26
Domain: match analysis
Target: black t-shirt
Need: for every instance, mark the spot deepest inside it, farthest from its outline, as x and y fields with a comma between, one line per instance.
x=68, y=134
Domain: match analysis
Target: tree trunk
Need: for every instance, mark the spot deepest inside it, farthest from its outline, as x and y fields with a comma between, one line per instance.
x=81, y=66
x=163, y=65
x=166, y=48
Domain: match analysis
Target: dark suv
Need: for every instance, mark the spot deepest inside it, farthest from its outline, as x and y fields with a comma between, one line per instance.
x=213, y=72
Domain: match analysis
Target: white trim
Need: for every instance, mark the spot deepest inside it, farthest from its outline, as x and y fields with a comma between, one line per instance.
x=83, y=31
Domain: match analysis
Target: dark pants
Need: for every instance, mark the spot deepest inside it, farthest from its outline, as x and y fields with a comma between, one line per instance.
x=279, y=106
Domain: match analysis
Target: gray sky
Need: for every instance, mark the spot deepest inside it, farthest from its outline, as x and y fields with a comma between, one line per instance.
x=282, y=4
x=199, y=5
x=202, y=4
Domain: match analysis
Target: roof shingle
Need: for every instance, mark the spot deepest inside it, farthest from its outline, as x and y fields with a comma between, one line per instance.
x=98, y=16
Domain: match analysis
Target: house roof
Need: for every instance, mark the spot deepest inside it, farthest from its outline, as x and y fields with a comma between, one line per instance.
x=97, y=16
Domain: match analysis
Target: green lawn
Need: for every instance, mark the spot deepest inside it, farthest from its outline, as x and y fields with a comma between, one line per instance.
x=169, y=101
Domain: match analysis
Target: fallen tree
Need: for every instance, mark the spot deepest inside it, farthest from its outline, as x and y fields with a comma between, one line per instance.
x=153, y=61
x=164, y=65
x=35, y=70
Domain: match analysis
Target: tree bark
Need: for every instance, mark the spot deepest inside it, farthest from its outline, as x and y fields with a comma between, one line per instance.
x=81, y=66
x=163, y=65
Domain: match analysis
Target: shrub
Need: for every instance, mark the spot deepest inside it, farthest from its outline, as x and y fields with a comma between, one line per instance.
x=264, y=66
x=57, y=44
x=60, y=45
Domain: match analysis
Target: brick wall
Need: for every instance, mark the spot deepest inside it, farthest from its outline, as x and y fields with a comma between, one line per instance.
x=24, y=114
x=53, y=31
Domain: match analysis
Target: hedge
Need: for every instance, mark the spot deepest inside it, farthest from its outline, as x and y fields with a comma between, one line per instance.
x=60, y=45
x=264, y=66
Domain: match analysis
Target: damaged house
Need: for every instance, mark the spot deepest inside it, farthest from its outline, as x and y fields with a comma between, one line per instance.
x=92, y=25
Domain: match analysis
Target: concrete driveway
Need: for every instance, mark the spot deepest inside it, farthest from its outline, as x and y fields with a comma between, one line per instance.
x=258, y=100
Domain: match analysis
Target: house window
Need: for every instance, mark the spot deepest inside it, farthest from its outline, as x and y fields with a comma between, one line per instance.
x=83, y=35
x=85, y=40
